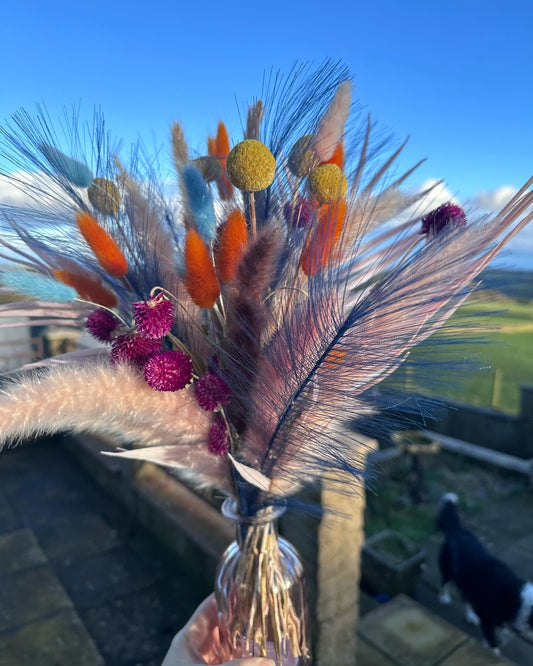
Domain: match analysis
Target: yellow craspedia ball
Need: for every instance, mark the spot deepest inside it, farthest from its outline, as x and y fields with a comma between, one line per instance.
x=251, y=166
x=104, y=196
x=327, y=183
x=302, y=158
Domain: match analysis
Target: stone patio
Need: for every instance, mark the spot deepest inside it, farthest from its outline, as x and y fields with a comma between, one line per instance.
x=402, y=632
x=81, y=582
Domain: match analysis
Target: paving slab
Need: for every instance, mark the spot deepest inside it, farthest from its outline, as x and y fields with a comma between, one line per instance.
x=368, y=655
x=472, y=653
x=104, y=577
x=79, y=535
x=9, y=519
x=60, y=640
x=406, y=633
x=30, y=595
x=124, y=636
x=508, y=520
x=19, y=550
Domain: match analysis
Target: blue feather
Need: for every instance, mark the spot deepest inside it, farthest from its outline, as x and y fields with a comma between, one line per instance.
x=75, y=172
x=200, y=202
x=40, y=287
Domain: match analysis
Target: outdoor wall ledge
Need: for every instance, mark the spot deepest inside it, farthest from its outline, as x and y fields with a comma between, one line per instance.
x=183, y=520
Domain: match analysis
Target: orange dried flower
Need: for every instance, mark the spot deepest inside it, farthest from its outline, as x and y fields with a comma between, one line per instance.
x=219, y=147
x=232, y=242
x=337, y=157
x=212, y=146
x=222, y=141
x=104, y=247
x=90, y=289
x=200, y=276
x=320, y=243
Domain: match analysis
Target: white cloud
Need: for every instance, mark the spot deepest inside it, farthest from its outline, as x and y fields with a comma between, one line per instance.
x=494, y=200
x=16, y=189
x=10, y=194
x=439, y=195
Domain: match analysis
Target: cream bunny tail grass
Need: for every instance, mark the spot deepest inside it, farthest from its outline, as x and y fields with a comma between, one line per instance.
x=116, y=401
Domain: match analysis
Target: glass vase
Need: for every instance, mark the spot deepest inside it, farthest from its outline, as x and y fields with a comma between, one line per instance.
x=260, y=592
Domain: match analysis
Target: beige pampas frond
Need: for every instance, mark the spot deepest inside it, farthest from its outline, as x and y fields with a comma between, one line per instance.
x=331, y=126
x=114, y=401
x=180, y=151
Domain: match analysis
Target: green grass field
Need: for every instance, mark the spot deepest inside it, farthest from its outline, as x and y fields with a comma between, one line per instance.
x=498, y=365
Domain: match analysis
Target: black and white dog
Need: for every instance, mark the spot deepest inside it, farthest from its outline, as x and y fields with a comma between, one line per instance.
x=493, y=594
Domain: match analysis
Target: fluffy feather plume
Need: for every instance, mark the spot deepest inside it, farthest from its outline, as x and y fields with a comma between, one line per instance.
x=200, y=202
x=88, y=288
x=332, y=124
x=200, y=276
x=75, y=172
x=180, y=151
x=104, y=247
x=233, y=237
x=246, y=318
x=39, y=287
x=113, y=401
x=321, y=243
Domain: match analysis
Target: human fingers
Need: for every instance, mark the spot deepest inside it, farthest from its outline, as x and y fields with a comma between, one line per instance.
x=250, y=661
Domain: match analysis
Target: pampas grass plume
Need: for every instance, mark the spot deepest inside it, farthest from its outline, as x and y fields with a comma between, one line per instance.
x=200, y=202
x=331, y=126
x=104, y=247
x=231, y=245
x=89, y=289
x=75, y=172
x=37, y=286
x=320, y=243
x=200, y=277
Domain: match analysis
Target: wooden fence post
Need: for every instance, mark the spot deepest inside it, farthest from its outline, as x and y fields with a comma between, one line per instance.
x=331, y=550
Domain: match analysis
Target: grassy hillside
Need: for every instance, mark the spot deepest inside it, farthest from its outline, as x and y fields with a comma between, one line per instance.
x=496, y=363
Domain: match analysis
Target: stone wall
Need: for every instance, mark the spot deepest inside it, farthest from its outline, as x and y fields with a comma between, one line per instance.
x=490, y=428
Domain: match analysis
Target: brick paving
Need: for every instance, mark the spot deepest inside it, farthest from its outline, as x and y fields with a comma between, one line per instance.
x=80, y=581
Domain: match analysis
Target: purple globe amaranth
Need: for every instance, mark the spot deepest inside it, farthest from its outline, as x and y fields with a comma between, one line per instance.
x=211, y=392
x=154, y=317
x=448, y=215
x=133, y=348
x=298, y=213
x=168, y=370
x=101, y=324
x=218, y=441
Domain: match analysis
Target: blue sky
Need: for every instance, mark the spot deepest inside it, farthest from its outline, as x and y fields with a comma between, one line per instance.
x=455, y=76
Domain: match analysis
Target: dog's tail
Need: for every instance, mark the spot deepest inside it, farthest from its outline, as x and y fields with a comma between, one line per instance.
x=448, y=517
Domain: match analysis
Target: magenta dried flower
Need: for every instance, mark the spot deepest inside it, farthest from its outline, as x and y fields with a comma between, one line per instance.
x=211, y=392
x=218, y=442
x=297, y=214
x=168, y=371
x=154, y=317
x=101, y=324
x=133, y=348
x=437, y=220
